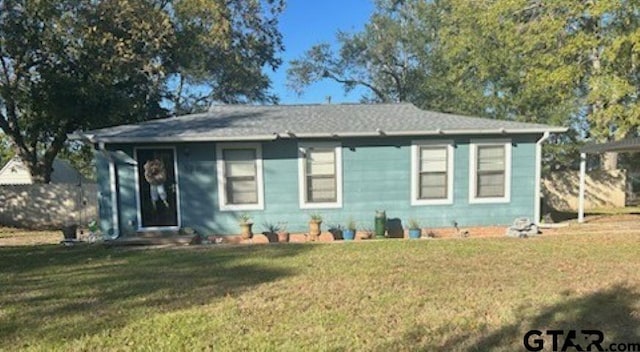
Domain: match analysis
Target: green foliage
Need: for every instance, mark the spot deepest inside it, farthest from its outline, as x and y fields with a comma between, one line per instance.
x=413, y=224
x=315, y=217
x=385, y=57
x=244, y=219
x=565, y=62
x=351, y=224
x=80, y=156
x=6, y=152
x=67, y=65
x=221, y=50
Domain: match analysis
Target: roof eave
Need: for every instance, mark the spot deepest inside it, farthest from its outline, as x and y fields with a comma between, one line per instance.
x=293, y=135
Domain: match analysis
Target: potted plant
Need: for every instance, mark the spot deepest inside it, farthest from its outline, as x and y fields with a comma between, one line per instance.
x=414, y=229
x=350, y=232
x=336, y=231
x=283, y=234
x=315, y=222
x=271, y=231
x=365, y=234
x=69, y=232
x=245, y=226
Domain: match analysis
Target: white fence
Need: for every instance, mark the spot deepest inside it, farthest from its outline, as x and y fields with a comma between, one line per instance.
x=47, y=206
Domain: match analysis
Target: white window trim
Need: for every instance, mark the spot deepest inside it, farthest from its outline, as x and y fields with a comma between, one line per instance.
x=222, y=180
x=139, y=201
x=415, y=167
x=302, y=179
x=473, y=162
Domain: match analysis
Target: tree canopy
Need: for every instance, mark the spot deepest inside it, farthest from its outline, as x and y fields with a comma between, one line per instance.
x=565, y=62
x=82, y=64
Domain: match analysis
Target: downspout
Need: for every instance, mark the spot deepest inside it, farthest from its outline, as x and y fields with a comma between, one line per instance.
x=536, y=198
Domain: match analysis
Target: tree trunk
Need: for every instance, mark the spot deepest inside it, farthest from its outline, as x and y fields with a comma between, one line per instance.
x=40, y=170
x=609, y=161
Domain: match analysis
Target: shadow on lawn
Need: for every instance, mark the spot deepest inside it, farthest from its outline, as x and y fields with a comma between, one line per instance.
x=57, y=293
x=612, y=311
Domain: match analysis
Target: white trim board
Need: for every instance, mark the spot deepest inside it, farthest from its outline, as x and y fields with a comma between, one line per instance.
x=221, y=179
x=473, y=152
x=415, y=168
x=302, y=179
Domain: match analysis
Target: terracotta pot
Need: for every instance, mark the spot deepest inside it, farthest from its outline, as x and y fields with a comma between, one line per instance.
x=245, y=230
x=283, y=236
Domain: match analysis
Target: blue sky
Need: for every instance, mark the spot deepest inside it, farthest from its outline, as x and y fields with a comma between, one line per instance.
x=307, y=22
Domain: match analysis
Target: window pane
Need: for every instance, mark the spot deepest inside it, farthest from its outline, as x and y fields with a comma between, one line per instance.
x=321, y=189
x=239, y=154
x=240, y=162
x=240, y=168
x=490, y=185
x=321, y=162
x=491, y=158
x=241, y=191
x=433, y=159
x=433, y=185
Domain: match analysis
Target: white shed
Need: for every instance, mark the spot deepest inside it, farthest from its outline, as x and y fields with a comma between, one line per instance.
x=15, y=172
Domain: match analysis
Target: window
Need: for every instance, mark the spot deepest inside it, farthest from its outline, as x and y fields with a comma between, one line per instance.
x=320, y=175
x=490, y=171
x=432, y=172
x=240, y=176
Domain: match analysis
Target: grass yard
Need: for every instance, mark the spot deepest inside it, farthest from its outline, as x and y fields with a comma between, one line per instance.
x=392, y=295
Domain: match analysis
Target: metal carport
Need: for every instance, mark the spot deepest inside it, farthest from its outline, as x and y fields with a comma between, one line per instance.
x=622, y=146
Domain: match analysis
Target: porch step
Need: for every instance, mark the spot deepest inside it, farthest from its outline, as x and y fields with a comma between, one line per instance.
x=150, y=240
x=157, y=234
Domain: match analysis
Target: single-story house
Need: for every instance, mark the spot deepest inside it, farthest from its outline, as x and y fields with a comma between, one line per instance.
x=281, y=163
x=15, y=172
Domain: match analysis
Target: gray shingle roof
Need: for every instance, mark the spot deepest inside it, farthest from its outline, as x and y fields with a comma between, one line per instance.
x=256, y=122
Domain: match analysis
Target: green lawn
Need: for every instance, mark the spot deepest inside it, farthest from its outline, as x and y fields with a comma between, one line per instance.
x=455, y=294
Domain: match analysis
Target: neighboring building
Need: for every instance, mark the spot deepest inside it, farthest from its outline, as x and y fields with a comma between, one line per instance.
x=15, y=172
x=282, y=163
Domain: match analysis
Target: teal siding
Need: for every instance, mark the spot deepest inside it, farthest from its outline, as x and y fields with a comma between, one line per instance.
x=376, y=175
x=104, y=193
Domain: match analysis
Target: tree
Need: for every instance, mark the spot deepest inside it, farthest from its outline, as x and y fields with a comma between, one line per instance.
x=83, y=64
x=74, y=64
x=221, y=50
x=390, y=57
x=563, y=62
x=6, y=152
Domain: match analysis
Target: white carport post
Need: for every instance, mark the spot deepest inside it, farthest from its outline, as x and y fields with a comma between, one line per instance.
x=583, y=171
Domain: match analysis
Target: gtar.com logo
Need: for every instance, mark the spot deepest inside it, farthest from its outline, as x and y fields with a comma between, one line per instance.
x=572, y=340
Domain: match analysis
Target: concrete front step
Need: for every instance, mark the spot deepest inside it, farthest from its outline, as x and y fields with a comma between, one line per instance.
x=150, y=240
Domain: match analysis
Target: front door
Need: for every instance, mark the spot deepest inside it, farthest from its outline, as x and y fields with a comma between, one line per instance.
x=157, y=187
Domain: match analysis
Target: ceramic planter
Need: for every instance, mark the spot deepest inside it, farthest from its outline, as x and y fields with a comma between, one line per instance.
x=348, y=235
x=314, y=229
x=245, y=230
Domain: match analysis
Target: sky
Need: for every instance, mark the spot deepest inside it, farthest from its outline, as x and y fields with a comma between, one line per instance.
x=307, y=22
